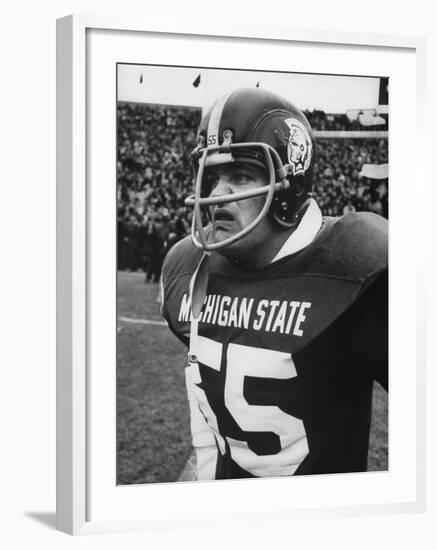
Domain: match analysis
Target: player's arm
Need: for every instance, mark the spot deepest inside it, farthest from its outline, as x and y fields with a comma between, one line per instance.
x=202, y=437
x=370, y=330
x=161, y=299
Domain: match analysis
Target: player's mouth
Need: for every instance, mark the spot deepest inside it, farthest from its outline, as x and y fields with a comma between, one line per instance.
x=222, y=219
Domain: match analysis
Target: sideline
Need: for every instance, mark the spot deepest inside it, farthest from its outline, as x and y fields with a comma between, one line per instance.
x=143, y=321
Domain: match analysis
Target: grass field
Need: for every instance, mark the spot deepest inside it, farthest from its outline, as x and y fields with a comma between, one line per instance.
x=153, y=440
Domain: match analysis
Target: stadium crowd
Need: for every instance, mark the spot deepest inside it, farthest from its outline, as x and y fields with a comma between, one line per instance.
x=154, y=176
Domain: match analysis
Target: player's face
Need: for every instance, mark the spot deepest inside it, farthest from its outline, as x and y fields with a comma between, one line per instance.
x=230, y=218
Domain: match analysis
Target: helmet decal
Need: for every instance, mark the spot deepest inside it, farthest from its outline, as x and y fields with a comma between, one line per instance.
x=215, y=118
x=299, y=148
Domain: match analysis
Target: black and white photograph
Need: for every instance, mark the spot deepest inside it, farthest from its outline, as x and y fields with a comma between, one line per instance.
x=203, y=345
x=252, y=274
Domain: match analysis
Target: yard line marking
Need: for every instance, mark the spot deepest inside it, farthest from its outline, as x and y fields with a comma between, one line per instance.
x=143, y=321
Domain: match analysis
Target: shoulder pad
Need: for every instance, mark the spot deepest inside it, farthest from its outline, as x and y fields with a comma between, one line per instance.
x=355, y=246
x=181, y=259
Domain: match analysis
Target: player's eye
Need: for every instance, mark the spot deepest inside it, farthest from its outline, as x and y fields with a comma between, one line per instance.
x=210, y=182
x=241, y=178
x=212, y=179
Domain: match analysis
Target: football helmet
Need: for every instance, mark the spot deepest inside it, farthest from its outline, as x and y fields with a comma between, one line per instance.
x=252, y=125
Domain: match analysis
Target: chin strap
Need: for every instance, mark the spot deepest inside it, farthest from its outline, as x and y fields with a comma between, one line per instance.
x=198, y=289
x=279, y=212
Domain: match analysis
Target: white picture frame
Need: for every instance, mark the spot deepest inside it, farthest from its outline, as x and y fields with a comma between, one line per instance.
x=78, y=233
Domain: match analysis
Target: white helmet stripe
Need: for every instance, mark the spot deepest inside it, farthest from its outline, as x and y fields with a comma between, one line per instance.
x=214, y=120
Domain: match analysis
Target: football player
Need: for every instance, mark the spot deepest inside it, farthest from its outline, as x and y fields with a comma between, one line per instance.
x=284, y=312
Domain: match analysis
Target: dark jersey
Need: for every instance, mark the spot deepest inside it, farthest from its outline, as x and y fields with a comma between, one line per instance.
x=287, y=354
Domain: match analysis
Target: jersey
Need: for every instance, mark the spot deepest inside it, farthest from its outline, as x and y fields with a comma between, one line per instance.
x=286, y=354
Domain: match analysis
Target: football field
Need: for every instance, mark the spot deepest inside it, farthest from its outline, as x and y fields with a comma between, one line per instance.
x=153, y=440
